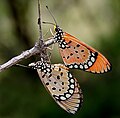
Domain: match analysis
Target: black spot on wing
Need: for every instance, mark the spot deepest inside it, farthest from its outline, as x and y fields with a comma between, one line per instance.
x=69, y=42
x=58, y=77
x=78, y=45
x=61, y=73
x=82, y=50
x=68, y=57
x=71, y=54
x=76, y=51
x=53, y=88
x=47, y=83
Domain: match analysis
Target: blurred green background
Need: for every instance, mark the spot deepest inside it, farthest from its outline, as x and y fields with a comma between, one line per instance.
x=96, y=22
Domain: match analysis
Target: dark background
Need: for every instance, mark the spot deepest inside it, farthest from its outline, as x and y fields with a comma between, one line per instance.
x=95, y=22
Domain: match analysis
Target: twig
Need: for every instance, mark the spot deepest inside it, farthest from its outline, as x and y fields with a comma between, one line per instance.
x=18, y=58
x=24, y=55
x=39, y=23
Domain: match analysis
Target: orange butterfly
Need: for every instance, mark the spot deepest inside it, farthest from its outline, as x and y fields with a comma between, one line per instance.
x=77, y=54
x=60, y=83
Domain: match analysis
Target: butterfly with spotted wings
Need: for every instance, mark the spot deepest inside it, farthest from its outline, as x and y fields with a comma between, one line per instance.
x=60, y=83
x=78, y=55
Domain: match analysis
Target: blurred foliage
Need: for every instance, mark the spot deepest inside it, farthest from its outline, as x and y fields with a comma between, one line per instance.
x=22, y=95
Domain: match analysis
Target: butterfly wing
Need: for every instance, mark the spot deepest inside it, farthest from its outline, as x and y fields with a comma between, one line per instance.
x=77, y=54
x=72, y=104
x=62, y=86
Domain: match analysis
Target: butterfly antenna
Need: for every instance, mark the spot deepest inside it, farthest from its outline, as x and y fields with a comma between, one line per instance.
x=48, y=23
x=51, y=15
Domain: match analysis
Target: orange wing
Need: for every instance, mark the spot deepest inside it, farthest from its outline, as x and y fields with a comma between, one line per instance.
x=77, y=54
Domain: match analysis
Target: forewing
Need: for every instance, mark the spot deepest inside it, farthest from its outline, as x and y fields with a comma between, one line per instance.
x=62, y=87
x=77, y=54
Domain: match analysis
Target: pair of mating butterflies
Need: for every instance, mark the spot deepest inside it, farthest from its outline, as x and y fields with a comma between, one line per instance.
x=57, y=79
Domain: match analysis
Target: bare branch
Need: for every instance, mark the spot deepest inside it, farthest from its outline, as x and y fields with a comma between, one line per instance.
x=24, y=55
x=39, y=23
x=18, y=58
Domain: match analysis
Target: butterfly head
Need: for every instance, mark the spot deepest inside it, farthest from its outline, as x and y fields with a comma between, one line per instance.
x=57, y=29
x=58, y=33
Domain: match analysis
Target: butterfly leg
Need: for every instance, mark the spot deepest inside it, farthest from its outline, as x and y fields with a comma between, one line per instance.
x=50, y=53
x=51, y=32
x=46, y=33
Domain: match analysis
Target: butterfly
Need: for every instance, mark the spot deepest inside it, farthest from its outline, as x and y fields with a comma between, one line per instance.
x=60, y=83
x=77, y=54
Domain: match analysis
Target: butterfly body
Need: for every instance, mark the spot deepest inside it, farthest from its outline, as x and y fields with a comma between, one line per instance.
x=78, y=55
x=60, y=83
